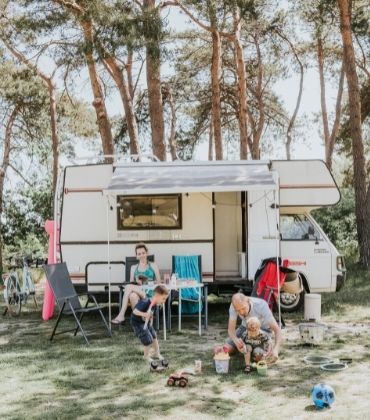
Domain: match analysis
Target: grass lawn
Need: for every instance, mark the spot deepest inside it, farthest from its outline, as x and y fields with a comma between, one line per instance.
x=67, y=379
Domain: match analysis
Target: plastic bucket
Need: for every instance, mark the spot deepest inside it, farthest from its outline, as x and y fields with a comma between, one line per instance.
x=262, y=368
x=312, y=307
x=312, y=333
x=222, y=366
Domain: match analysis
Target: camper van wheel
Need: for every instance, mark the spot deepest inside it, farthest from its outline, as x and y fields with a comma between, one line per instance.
x=291, y=302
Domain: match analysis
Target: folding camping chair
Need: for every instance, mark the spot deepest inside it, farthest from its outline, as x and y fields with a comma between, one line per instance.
x=129, y=262
x=266, y=286
x=68, y=300
x=190, y=267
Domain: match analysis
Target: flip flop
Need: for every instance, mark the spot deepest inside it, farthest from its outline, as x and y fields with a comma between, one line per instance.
x=116, y=322
x=248, y=369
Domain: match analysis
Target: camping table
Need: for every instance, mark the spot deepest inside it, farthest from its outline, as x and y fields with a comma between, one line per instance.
x=202, y=288
x=197, y=286
x=180, y=285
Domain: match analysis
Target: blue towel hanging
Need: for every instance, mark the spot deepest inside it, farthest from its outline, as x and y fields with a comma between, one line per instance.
x=187, y=267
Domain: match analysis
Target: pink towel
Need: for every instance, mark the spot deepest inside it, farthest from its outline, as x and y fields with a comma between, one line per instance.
x=49, y=300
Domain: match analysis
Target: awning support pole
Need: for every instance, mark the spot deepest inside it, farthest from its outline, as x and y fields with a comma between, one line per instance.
x=277, y=254
x=108, y=265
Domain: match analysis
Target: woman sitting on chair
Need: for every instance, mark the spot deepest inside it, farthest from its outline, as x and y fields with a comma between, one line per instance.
x=140, y=272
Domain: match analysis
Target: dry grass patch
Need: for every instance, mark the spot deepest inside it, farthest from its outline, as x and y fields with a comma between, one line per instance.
x=66, y=379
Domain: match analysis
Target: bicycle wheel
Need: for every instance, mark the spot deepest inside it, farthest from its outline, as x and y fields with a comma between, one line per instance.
x=12, y=295
x=28, y=284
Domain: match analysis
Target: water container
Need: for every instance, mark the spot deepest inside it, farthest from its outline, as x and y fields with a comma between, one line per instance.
x=222, y=366
x=312, y=307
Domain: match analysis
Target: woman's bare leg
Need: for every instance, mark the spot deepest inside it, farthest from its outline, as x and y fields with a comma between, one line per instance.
x=130, y=293
x=134, y=299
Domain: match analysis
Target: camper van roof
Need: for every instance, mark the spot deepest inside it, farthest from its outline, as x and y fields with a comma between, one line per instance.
x=181, y=177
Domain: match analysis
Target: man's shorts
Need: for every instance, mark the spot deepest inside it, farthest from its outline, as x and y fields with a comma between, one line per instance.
x=145, y=336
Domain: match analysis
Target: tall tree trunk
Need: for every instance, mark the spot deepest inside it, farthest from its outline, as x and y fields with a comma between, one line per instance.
x=324, y=112
x=168, y=97
x=257, y=134
x=216, y=93
x=117, y=74
x=215, y=71
x=210, y=140
x=80, y=11
x=99, y=102
x=129, y=61
x=54, y=132
x=338, y=110
x=359, y=162
x=329, y=138
x=3, y=169
x=242, y=88
x=289, y=137
x=48, y=82
x=153, y=78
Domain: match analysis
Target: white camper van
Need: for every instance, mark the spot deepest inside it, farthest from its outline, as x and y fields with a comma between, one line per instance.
x=234, y=214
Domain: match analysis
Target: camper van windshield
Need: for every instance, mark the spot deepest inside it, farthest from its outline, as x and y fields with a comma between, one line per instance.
x=297, y=227
x=149, y=212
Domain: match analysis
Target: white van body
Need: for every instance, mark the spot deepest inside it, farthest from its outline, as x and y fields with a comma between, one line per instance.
x=233, y=231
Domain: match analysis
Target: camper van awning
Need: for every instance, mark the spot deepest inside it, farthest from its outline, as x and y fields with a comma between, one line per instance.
x=181, y=177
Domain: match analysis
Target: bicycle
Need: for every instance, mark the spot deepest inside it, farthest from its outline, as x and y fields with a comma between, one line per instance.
x=16, y=292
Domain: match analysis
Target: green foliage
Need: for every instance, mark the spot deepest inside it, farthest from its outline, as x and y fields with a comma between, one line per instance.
x=32, y=245
x=24, y=217
x=339, y=223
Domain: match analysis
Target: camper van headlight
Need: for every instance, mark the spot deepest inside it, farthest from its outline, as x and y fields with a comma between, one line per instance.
x=340, y=264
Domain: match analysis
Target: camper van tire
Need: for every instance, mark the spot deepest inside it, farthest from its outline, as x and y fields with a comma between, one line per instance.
x=291, y=302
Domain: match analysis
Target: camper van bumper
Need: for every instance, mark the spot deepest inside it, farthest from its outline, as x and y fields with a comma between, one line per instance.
x=341, y=278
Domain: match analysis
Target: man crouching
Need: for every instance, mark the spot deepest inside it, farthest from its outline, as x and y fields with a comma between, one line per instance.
x=245, y=307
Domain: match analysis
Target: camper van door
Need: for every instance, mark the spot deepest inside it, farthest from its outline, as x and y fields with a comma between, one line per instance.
x=306, y=249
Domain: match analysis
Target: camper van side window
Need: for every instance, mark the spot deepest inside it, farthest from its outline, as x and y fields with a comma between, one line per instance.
x=149, y=212
x=297, y=227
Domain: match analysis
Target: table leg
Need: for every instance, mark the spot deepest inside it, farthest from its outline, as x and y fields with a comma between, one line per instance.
x=205, y=289
x=200, y=310
x=120, y=296
x=179, y=309
x=164, y=322
x=169, y=302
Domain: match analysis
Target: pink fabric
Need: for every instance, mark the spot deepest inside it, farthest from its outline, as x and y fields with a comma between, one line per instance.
x=49, y=300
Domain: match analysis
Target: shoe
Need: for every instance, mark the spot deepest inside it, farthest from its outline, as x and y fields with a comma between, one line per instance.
x=248, y=369
x=117, y=322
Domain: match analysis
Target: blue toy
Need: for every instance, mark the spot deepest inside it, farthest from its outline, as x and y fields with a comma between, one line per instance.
x=323, y=396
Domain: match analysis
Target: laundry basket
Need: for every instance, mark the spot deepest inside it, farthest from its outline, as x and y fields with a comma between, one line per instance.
x=293, y=282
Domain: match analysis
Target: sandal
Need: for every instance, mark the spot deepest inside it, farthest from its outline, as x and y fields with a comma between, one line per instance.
x=117, y=322
x=248, y=369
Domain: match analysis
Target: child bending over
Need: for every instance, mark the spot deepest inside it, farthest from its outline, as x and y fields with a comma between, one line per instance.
x=257, y=343
x=141, y=321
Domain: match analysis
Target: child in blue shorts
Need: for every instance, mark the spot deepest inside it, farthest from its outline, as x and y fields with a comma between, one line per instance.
x=141, y=321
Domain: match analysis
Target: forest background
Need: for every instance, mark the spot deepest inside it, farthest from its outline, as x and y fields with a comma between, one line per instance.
x=182, y=79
